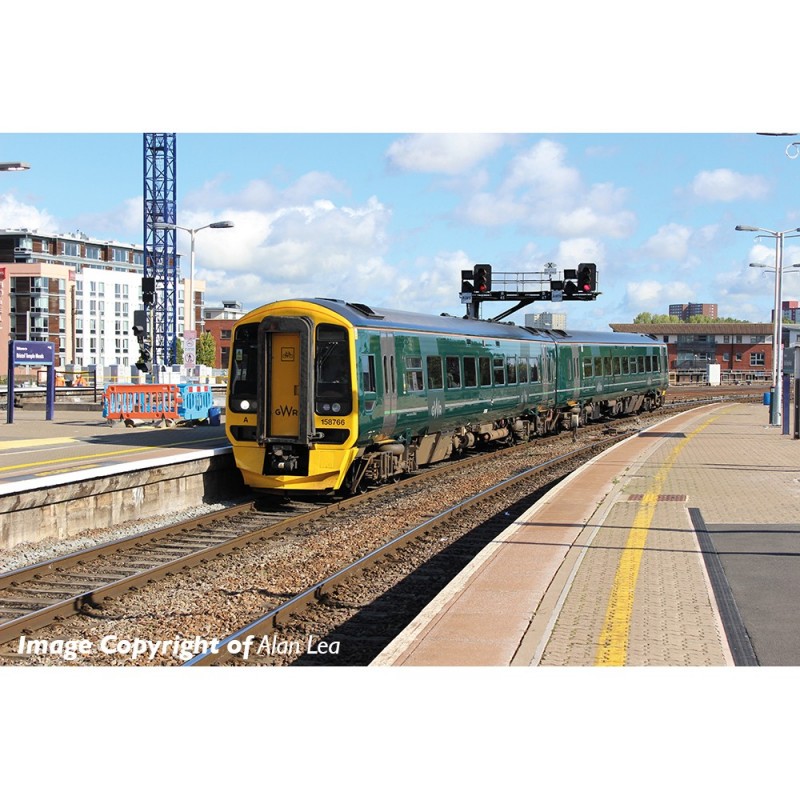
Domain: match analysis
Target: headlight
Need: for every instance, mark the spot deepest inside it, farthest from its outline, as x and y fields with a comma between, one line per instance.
x=336, y=408
x=244, y=405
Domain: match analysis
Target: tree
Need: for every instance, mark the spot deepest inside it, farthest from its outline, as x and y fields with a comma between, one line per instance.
x=206, y=349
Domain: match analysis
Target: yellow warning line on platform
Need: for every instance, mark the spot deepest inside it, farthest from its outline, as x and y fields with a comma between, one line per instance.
x=126, y=451
x=21, y=443
x=614, y=635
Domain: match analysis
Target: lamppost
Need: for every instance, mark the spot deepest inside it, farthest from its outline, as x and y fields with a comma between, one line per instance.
x=192, y=233
x=777, y=322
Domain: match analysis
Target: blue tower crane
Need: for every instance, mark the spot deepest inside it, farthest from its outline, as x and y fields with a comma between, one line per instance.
x=160, y=282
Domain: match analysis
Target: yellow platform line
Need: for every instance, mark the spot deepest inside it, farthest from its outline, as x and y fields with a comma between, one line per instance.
x=126, y=451
x=614, y=635
x=22, y=443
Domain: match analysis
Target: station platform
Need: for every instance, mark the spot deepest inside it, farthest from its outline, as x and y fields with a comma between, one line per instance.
x=79, y=444
x=677, y=547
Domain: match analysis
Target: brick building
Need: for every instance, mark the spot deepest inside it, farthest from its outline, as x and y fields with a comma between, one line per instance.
x=743, y=350
x=686, y=310
x=219, y=322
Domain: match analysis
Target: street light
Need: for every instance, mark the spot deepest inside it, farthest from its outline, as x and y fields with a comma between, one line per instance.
x=777, y=323
x=192, y=232
x=13, y=166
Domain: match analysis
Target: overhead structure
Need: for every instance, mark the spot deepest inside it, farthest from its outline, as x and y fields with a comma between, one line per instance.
x=478, y=286
x=160, y=282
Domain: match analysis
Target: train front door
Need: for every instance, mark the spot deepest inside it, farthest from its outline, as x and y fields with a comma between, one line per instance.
x=284, y=368
x=286, y=389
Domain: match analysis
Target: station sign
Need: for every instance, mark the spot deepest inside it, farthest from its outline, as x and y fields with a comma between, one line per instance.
x=33, y=353
x=41, y=354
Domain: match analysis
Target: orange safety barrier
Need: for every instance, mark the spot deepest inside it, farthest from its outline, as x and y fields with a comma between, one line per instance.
x=147, y=401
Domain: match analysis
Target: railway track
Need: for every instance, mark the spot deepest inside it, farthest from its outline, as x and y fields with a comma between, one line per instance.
x=84, y=583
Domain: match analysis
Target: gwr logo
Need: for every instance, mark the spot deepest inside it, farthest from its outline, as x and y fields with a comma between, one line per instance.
x=286, y=411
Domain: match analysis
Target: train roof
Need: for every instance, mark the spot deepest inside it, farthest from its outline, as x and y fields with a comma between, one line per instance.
x=361, y=315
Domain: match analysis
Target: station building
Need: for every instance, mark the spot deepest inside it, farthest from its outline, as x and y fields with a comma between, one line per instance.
x=78, y=293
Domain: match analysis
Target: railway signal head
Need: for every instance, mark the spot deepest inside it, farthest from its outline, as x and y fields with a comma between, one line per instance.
x=139, y=329
x=145, y=363
x=482, y=277
x=148, y=291
x=587, y=277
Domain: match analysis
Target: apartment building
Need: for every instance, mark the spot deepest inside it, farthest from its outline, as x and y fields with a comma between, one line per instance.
x=78, y=293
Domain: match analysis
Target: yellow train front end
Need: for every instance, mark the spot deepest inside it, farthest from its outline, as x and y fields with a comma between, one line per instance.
x=292, y=404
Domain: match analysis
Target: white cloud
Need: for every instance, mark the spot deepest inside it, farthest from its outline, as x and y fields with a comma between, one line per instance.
x=446, y=153
x=20, y=215
x=655, y=296
x=313, y=249
x=670, y=242
x=725, y=185
x=542, y=192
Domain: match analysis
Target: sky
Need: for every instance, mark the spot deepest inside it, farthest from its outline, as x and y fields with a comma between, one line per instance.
x=373, y=156
x=391, y=220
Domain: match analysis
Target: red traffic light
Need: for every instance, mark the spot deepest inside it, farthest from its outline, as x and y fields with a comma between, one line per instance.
x=587, y=277
x=482, y=276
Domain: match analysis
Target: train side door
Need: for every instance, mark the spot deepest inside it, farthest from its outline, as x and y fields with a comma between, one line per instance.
x=389, y=369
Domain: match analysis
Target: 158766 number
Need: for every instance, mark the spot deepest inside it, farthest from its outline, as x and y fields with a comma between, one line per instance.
x=333, y=421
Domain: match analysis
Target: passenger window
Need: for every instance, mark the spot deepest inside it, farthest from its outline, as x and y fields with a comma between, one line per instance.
x=512, y=369
x=534, y=370
x=435, y=372
x=453, y=372
x=617, y=366
x=598, y=367
x=470, y=372
x=414, y=374
x=499, y=372
x=587, y=368
x=368, y=372
x=523, y=370
x=486, y=371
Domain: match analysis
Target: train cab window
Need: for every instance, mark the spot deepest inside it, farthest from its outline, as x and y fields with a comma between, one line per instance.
x=435, y=379
x=368, y=372
x=470, y=371
x=499, y=371
x=453, y=366
x=243, y=378
x=486, y=371
x=332, y=371
x=413, y=374
x=587, y=367
x=523, y=370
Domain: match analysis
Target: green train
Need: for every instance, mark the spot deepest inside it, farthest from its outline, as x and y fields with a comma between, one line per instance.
x=328, y=396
